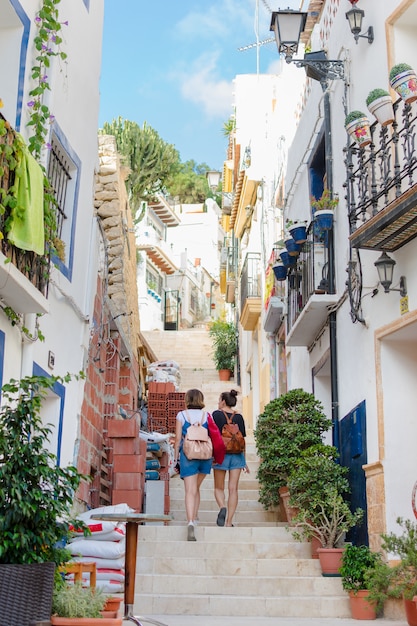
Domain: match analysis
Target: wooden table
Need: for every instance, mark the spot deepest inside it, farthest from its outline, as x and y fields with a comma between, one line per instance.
x=132, y=521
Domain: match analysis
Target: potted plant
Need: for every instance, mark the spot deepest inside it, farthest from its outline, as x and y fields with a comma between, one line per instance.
x=75, y=605
x=292, y=247
x=223, y=336
x=279, y=270
x=403, y=80
x=379, y=104
x=289, y=424
x=287, y=259
x=323, y=209
x=358, y=127
x=297, y=230
x=357, y=561
x=36, y=496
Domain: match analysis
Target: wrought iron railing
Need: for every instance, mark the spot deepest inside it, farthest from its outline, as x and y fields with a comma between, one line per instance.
x=309, y=274
x=250, y=278
x=386, y=169
x=35, y=267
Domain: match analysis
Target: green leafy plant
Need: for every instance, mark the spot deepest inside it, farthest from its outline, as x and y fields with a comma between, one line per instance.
x=223, y=336
x=399, y=68
x=36, y=495
x=375, y=94
x=357, y=561
x=289, y=424
x=77, y=601
x=326, y=201
x=403, y=579
x=352, y=116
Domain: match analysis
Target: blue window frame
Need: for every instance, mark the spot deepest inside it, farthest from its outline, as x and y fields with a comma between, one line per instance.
x=53, y=411
x=87, y=4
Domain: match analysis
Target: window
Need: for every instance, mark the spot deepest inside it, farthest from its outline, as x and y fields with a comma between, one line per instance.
x=63, y=174
x=154, y=281
x=14, y=34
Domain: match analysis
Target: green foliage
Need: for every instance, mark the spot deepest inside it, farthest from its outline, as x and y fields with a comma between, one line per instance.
x=223, y=336
x=356, y=562
x=189, y=183
x=314, y=473
x=353, y=115
x=47, y=45
x=404, y=579
x=328, y=520
x=399, y=69
x=289, y=424
x=325, y=201
x=77, y=601
x=150, y=159
x=229, y=127
x=375, y=94
x=380, y=582
x=35, y=494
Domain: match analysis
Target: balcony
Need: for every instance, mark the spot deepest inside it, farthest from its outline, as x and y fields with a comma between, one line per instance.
x=250, y=291
x=24, y=275
x=309, y=299
x=157, y=250
x=381, y=184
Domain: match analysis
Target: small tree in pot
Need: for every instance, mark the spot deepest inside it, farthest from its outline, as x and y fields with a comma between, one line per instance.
x=357, y=561
x=289, y=424
x=223, y=336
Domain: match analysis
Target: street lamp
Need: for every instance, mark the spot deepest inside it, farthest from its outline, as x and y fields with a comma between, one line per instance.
x=385, y=266
x=287, y=27
x=213, y=179
x=355, y=17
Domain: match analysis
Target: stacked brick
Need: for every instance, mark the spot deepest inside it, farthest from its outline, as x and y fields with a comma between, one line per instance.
x=163, y=405
x=129, y=462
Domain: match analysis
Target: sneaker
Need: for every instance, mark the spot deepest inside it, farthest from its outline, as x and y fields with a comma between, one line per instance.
x=190, y=533
x=221, y=516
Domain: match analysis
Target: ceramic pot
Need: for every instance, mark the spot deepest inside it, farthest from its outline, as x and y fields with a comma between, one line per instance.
x=290, y=511
x=298, y=233
x=86, y=621
x=410, y=612
x=292, y=247
x=359, y=605
x=383, y=110
x=286, y=258
x=112, y=603
x=324, y=219
x=359, y=131
x=315, y=544
x=330, y=560
x=405, y=84
x=280, y=271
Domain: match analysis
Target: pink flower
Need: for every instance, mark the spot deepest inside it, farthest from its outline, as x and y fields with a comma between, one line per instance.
x=412, y=84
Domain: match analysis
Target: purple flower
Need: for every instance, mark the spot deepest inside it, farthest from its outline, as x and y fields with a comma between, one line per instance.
x=65, y=23
x=48, y=146
x=51, y=118
x=53, y=38
x=38, y=19
x=31, y=103
x=44, y=78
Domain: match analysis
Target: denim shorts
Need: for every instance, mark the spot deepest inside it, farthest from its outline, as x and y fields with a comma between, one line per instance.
x=196, y=466
x=232, y=461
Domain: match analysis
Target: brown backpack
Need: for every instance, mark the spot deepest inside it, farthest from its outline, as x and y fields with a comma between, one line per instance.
x=232, y=437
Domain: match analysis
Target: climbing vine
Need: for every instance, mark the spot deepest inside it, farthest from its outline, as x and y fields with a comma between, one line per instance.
x=47, y=44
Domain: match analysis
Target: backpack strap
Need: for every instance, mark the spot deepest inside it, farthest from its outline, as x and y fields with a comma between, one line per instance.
x=229, y=419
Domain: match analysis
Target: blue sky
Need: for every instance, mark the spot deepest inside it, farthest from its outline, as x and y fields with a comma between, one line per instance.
x=171, y=63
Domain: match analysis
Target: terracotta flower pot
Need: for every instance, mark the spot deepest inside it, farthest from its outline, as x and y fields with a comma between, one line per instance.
x=315, y=544
x=359, y=605
x=224, y=374
x=290, y=511
x=112, y=604
x=410, y=612
x=86, y=621
x=330, y=560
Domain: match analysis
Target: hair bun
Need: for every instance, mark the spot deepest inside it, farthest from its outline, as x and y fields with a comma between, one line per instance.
x=233, y=392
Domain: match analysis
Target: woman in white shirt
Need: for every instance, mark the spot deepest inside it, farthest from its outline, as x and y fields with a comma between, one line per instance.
x=193, y=472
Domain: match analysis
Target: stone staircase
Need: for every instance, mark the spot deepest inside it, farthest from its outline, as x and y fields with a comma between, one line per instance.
x=254, y=569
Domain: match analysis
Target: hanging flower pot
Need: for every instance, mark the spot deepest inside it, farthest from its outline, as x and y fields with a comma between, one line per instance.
x=298, y=232
x=280, y=270
x=292, y=247
x=324, y=219
x=379, y=104
x=286, y=258
x=357, y=125
x=403, y=79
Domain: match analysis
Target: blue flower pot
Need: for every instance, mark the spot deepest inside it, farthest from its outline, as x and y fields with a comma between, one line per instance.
x=280, y=271
x=286, y=258
x=324, y=219
x=298, y=233
x=292, y=247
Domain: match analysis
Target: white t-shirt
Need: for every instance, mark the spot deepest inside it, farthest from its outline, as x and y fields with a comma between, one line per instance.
x=195, y=416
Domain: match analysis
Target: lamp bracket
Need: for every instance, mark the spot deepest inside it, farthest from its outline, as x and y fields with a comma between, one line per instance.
x=330, y=70
x=369, y=35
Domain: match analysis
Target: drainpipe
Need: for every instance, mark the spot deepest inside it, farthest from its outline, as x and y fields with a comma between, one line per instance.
x=332, y=316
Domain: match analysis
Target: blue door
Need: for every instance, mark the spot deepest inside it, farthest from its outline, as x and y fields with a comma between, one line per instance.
x=353, y=454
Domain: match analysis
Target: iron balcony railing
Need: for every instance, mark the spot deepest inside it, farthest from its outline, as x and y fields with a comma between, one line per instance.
x=309, y=274
x=250, y=278
x=35, y=267
x=385, y=170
